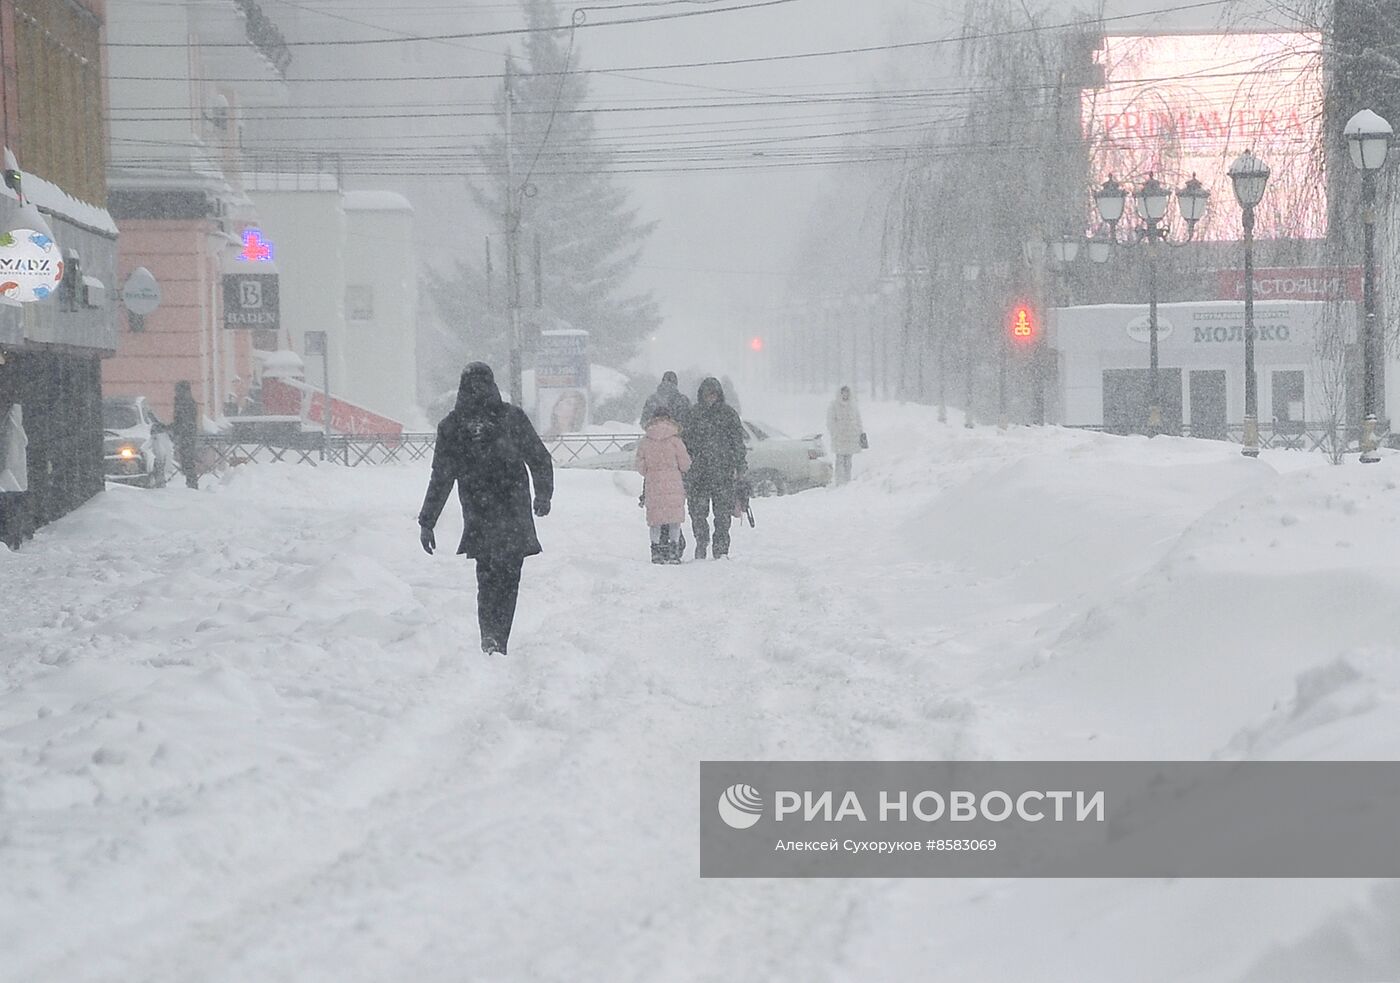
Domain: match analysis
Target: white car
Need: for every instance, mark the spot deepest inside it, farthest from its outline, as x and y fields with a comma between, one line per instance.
x=136, y=447
x=778, y=464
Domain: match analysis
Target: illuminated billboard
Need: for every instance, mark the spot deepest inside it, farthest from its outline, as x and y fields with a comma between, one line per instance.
x=1178, y=105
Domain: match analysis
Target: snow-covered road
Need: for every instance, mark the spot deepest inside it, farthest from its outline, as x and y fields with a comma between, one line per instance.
x=247, y=733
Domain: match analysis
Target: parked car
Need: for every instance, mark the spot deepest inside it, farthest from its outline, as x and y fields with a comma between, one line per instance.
x=136, y=446
x=778, y=464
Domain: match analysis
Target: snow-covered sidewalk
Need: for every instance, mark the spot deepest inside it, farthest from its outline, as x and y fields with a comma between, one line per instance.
x=247, y=734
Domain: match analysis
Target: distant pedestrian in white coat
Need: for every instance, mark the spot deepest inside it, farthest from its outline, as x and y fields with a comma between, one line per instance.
x=847, y=432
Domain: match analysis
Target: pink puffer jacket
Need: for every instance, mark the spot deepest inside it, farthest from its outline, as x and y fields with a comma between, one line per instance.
x=662, y=459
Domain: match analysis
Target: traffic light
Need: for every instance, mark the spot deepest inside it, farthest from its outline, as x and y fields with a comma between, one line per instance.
x=756, y=343
x=1023, y=326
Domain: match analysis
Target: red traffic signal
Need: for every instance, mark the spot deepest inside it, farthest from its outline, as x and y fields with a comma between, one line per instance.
x=1023, y=325
x=756, y=343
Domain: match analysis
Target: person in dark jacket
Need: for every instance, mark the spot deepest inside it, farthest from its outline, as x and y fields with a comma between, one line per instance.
x=715, y=439
x=669, y=395
x=185, y=430
x=484, y=446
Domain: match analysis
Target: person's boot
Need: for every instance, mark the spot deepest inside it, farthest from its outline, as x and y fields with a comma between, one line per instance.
x=491, y=646
x=700, y=547
x=657, y=556
x=677, y=554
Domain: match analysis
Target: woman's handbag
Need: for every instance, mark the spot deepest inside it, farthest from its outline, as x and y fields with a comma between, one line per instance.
x=864, y=442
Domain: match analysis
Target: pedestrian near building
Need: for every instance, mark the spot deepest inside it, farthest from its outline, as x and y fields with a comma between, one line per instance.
x=715, y=438
x=185, y=426
x=663, y=461
x=491, y=452
x=847, y=432
x=667, y=394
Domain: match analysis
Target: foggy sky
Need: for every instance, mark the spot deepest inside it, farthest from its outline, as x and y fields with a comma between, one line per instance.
x=726, y=240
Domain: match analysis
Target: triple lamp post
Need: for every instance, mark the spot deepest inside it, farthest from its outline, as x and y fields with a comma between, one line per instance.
x=1152, y=201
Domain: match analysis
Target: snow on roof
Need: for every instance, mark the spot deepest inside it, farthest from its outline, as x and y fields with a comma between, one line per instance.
x=289, y=181
x=376, y=201
x=50, y=198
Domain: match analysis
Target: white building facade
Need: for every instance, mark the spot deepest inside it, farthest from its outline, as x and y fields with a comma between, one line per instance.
x=1306, y=366
x=354, y=278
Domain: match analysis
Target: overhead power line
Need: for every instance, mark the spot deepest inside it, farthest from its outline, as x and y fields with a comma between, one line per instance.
x=465, y=35
x=867, y=49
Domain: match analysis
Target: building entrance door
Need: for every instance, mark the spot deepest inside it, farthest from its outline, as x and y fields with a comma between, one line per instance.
x=1208, y=403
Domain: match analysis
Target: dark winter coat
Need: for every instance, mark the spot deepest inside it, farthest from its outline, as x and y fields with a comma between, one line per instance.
x=715, y=438
x=669, y=396
x=185, y=423
x=484, y=446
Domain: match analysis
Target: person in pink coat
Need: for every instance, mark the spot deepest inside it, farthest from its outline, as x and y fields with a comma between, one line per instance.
x=663, y=461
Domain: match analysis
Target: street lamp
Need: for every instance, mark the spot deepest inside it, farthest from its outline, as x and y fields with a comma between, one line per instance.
x=1151, y=201
x=1034, y=249
x=1109, y=200
x=1100, y=246
x=1191, y=201
x=1065, y=248
x=1369, y=137
x=970, y=272
x=1249, y=175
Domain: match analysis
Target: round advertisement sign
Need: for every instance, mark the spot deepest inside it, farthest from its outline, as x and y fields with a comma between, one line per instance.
x=141, y=293
x=1139, y=329
x=31, y=266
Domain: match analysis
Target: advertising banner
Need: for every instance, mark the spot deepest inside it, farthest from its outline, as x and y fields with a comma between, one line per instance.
x=1294, y=283
x=562, y=382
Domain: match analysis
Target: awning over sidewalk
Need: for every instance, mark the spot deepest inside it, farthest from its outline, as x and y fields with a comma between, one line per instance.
x=88, y=237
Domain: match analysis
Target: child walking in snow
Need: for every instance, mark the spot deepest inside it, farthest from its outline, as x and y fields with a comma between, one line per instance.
x=663, y=461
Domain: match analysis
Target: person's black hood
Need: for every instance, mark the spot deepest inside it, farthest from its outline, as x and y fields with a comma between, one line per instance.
x=711, y=384
x=478, y=388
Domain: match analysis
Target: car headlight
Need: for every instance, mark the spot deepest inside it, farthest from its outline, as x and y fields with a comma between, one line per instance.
x=128, y=453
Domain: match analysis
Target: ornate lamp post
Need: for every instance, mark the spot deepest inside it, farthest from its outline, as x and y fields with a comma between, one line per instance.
x=1369, y=138
x=1151, y=201
x=1249, y=175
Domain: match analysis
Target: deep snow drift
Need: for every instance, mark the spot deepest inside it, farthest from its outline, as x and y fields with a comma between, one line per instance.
x=246, y=733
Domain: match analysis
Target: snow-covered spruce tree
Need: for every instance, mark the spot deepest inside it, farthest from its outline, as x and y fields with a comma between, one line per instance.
x=590, y=239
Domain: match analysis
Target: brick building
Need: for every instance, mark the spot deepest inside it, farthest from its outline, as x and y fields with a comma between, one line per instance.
x=52, y=95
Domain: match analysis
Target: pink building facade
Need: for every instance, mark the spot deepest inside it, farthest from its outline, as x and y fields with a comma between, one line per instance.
x=175, y=190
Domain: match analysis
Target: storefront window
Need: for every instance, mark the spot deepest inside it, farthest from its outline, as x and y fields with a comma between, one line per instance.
x=1288, y=397
x=359, y=302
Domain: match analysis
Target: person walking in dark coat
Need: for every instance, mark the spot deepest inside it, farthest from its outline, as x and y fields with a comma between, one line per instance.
x=669, y=395
x=484, y=446
x=715, y=439
x=185, y=427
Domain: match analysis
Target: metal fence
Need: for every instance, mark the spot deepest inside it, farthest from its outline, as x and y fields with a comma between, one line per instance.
x=1321, y=436
x=221, y=451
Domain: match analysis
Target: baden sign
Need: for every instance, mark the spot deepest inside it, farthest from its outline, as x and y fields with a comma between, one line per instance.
x=251, y=301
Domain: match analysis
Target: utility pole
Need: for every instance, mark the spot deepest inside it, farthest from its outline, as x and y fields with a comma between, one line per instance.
x=512, y=219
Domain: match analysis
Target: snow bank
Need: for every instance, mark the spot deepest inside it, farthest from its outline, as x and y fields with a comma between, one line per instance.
x=251, y=737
